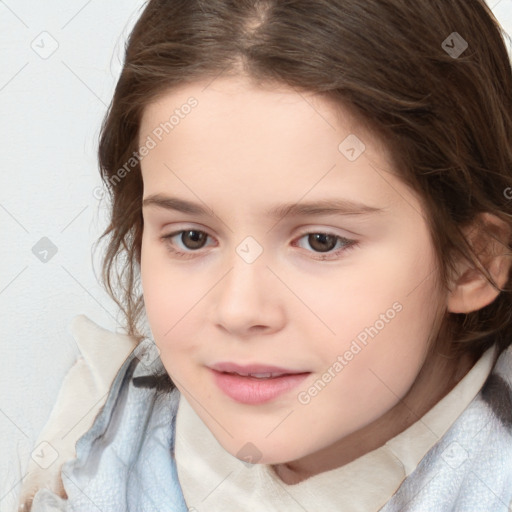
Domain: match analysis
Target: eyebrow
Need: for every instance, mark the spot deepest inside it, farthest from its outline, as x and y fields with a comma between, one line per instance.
x=335, y=206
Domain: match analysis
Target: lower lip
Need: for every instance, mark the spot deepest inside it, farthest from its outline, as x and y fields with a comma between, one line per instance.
x=250, y=390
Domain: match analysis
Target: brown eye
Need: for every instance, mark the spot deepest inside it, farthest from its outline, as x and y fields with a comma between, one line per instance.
x=322, y=242
x=196, y=238
x=185, y=243
x=324, y=245
x=188, y=243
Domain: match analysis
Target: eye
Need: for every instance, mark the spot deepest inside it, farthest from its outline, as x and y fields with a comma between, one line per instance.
x=193, y=240
x=326, y=242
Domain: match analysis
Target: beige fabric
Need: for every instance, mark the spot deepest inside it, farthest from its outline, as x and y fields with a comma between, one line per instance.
x=83, y=392
x=213, y=480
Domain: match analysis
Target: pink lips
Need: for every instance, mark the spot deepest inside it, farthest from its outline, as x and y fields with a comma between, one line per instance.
x=253, y=390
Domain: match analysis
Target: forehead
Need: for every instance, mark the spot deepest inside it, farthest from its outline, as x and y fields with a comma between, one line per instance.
x=281, y=141
x=234, y=104
x=251, y=115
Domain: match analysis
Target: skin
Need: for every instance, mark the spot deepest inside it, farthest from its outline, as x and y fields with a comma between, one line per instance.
x=241, y=150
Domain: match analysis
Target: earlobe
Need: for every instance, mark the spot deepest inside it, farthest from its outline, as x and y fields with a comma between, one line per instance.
x=470, y=290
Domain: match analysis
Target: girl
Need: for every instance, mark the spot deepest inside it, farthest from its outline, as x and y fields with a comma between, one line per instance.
x=317, y=200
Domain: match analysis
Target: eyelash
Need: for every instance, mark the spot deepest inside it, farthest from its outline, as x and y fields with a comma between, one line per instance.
x=349, y=244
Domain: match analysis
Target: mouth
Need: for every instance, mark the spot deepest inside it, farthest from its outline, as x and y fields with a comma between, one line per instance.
x=255, y=384
x=259, y=376
x=255, y=370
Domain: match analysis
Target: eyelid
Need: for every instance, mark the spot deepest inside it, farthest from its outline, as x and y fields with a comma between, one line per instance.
x=303, y=230
x=326, y=231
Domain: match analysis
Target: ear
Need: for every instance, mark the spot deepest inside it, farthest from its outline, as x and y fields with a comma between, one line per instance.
x=470, y=290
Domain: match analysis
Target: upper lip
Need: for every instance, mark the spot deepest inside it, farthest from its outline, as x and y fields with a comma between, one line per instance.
x=229, y=367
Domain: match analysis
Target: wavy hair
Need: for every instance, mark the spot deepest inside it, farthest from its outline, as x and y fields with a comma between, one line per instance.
x=444, y=110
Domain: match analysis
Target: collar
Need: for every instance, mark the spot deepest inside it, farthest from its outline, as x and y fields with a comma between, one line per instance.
x=212, y=479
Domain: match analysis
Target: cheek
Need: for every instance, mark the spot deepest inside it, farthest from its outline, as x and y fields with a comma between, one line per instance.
x=381, y=297
x=383, y=318
x=373, y=374
x=152, y=289
x=395, y=344
x=160, y=290
x=171, y=299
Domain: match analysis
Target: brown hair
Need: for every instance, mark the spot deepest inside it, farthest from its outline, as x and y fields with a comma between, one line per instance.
x=446, y=117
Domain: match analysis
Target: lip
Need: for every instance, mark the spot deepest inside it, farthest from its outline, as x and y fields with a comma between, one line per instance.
x=230, y=367
x=252, y=390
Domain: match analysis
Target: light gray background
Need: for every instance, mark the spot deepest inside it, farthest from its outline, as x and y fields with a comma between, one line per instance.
x=59, y=62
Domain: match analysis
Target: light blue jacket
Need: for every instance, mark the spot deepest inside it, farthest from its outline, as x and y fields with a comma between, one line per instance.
x=125, y=462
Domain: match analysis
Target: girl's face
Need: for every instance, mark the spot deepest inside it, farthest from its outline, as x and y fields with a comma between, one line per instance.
x=342, y=288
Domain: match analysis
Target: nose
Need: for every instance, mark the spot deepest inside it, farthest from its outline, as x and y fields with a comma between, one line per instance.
x=247, y=301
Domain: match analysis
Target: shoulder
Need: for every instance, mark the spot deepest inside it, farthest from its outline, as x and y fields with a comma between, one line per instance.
x=132, y=434
x=470, y=467
x=81, y=396
x=497, y=390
